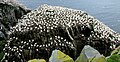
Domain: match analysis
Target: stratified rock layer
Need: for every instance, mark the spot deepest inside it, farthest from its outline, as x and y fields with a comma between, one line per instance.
x=52, y=27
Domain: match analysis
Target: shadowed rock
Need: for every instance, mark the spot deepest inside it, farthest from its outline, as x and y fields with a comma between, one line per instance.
x=10, y=12
x=52, y=27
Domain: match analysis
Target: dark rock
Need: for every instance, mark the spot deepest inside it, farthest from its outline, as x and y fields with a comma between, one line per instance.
x=2, y=36
x=10, y=12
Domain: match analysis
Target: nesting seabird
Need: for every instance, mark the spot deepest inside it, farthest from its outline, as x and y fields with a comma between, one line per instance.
x=70, y=29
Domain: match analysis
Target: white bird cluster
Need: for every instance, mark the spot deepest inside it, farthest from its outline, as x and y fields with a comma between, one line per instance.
x=53, y=27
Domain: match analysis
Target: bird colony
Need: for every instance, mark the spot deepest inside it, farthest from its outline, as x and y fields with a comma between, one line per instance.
x=48, y=28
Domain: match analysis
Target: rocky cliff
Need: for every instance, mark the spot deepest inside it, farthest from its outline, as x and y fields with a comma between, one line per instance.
x=10, y=12
x=47, y=28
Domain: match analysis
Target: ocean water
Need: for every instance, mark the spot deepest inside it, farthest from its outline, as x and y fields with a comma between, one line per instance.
x=107, y=11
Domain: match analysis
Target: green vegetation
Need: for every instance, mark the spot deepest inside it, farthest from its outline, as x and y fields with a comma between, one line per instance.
x=115, y=55
x=2, y=44
x=114, y=58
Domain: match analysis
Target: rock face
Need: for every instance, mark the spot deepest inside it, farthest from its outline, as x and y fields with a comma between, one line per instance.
x=52, y=27
x=89, y=54
x=10, y=12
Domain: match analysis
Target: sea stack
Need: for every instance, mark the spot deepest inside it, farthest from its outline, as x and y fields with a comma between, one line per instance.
x=48, y=28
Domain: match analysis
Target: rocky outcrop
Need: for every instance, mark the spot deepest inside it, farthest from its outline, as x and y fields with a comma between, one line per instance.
x=10, y=12
x=89, y=54
x=52, y=27
x=58, y=56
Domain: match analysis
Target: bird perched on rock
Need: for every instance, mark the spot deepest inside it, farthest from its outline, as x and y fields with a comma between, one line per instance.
x=48, y=28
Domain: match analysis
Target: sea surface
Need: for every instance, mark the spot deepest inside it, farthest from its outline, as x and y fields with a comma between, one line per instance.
x=107, y=11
